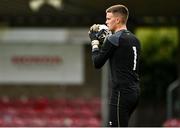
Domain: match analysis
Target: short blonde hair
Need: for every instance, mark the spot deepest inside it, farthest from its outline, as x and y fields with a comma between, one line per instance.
x=119, y=9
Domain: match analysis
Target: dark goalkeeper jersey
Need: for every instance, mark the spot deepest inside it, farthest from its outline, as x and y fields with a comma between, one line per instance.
x=122, y=49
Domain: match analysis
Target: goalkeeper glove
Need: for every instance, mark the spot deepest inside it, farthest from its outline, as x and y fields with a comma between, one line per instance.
x=93, y=32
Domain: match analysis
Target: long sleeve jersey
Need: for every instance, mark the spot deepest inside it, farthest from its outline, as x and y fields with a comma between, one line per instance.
x=122, y=49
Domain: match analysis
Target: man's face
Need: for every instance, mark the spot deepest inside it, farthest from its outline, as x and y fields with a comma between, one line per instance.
x=111, y=21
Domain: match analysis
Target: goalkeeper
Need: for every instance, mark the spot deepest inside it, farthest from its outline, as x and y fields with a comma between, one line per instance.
x=122, y=49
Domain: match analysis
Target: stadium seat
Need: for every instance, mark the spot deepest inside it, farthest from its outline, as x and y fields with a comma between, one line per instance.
x=172, y=123
x=27, y=112
x=85, y=112
x=77, y=103
x=5, y=102
x=93, y=122
x=55, y=122
x=22, y=102
x=58, y=103
x=40, y=104
x=18, y=122
x=42, y=112
x=78, y=122
x=1, y=122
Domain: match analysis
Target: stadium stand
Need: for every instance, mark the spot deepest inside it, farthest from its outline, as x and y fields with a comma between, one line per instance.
x=43, y=112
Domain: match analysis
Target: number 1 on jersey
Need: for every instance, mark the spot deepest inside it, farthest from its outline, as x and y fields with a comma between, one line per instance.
x=135, y=57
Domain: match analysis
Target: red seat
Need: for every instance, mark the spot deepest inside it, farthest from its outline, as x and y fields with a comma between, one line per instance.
x=85, y=112
x=172, y=123
x=18, y=122
x=93, y=122
x=78, y=122
x=58, y=103
x=55, y=122
x=26, y=112
x=27, y=121
x=48, y=112
x=40, y=104
x=67, y=112
x=38, y=122
x=5, y=102
x=77, y=103
x=1, y=122
x=22, y=102
x=9, y=111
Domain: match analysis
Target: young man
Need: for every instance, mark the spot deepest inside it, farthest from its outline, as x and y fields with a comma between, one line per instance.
x=122, y=49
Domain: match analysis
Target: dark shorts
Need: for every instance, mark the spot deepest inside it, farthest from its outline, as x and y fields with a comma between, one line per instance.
x=121, y=106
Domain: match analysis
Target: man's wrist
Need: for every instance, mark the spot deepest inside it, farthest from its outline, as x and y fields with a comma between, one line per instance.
x=95, y=47
x=95, y=42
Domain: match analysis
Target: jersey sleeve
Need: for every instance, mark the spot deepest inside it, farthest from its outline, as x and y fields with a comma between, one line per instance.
x=100, y=56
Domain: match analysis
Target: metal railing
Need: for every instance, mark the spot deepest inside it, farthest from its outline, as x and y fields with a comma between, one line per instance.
x=170, y=90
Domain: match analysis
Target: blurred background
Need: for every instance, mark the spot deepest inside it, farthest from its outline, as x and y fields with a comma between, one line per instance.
x=46, y=73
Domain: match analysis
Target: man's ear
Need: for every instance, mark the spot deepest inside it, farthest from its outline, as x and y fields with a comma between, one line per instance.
x=118, y=20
